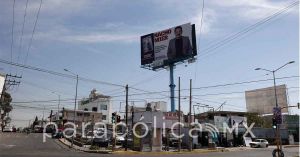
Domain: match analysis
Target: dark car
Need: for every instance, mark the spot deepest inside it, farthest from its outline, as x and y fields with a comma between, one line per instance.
x=100, y=139
x=58, y=134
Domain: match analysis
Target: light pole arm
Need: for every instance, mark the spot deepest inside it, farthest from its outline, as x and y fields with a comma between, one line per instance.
x=284, y=65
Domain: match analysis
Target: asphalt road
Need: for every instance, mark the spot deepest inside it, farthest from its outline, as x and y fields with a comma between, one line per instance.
x=23, y=145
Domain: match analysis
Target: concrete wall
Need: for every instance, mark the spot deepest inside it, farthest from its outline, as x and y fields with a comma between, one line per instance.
x=262, y=101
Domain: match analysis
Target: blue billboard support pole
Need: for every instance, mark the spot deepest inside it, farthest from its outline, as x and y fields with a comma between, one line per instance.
x=172, y=87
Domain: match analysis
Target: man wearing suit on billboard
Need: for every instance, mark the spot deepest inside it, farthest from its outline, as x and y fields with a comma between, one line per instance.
x=180, y=46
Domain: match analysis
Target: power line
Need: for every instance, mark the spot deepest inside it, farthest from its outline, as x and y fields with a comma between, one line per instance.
x=199, y=39
x=247, y=29
x=33, y=31
x=58, y=73
x=43, y=101
x=237, y=92
x=22, y=31
x=12, y=33
x=214, y=86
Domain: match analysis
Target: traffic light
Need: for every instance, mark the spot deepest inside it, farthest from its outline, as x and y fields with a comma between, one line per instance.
x=274, y=123
x=113, y=117
x=118, y=119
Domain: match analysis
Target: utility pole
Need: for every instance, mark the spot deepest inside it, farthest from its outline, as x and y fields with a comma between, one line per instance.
x=190, y=118
x=43, y=116
x=126, y=118
x=179, y=116
x=51, y=116
x=278, y=137
x=172, y=87
x=74, y=117
x=132, y=116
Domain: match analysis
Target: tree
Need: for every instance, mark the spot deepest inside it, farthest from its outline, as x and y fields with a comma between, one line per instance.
x=255, y=118
x=36, y=122
x=5, y=103
x=6, y=107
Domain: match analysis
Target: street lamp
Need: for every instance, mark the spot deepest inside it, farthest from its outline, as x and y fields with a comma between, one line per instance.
x=75, y=100
x=276, y=101
x=274, y=79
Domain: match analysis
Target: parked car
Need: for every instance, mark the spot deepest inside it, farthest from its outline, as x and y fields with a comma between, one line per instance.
x=129, y=140
x=173, y=141
x=38, y=129
x=8, y=129
x=259, y=143
x=120, y=139
x=100, y=140
x=58, y=134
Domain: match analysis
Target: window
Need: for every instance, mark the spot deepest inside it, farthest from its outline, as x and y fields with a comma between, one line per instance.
x=85, y=109
x=103, y=117
x=94, y=109
x=103, y=107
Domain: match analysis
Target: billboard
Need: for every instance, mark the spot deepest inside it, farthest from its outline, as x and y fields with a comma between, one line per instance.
x=2, y=81
x=219, y=122
x=238, y=120
x=168, y=46
x=263, y=101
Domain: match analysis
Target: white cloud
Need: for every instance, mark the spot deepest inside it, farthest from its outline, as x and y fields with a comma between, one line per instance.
x=251, y=9
x=99, y=38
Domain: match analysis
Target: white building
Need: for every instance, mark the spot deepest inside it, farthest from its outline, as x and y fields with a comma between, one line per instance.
x=97, y=103
x=159, y=105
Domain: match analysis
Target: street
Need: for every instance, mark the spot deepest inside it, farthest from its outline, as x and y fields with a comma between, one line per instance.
x=21, y=144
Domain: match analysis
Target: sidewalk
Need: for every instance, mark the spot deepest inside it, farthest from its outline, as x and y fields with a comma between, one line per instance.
x=130, y=152
x=84, y=148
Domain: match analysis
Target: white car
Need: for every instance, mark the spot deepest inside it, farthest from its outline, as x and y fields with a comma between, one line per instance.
x=8, y=129
x=119, y=138
x=259, y=143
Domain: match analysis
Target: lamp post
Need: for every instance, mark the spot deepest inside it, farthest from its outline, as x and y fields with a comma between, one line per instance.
x=75, y=101
x=274, y=78
x=276, y=101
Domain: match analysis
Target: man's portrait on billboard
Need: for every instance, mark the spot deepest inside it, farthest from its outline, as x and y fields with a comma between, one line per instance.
x=180, y=46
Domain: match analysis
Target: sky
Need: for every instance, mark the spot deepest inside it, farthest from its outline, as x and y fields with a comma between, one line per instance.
x=100, y=40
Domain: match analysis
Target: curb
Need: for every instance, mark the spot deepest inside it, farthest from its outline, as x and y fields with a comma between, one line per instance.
x=291, y=146
x=168, y=153
x=197, y=151
x=87, y=151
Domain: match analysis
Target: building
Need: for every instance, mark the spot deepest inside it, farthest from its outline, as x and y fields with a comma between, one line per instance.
x=218, y=119
x=159, y=105
x=97, y=103
x=81, y=117
x=263, y=101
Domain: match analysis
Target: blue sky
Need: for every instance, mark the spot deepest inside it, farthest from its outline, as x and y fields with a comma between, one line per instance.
x=100, y=40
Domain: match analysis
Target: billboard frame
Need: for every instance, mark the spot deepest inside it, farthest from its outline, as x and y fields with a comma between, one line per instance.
x=167, y=63
x=170, y=64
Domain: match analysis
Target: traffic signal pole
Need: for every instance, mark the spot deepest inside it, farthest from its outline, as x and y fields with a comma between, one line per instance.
x=278, y=137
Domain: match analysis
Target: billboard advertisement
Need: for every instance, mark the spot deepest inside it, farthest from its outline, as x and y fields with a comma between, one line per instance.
x=168, y=46
x=2, y=81
x=238, y=120
x=263, y=100
x=219, y=122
